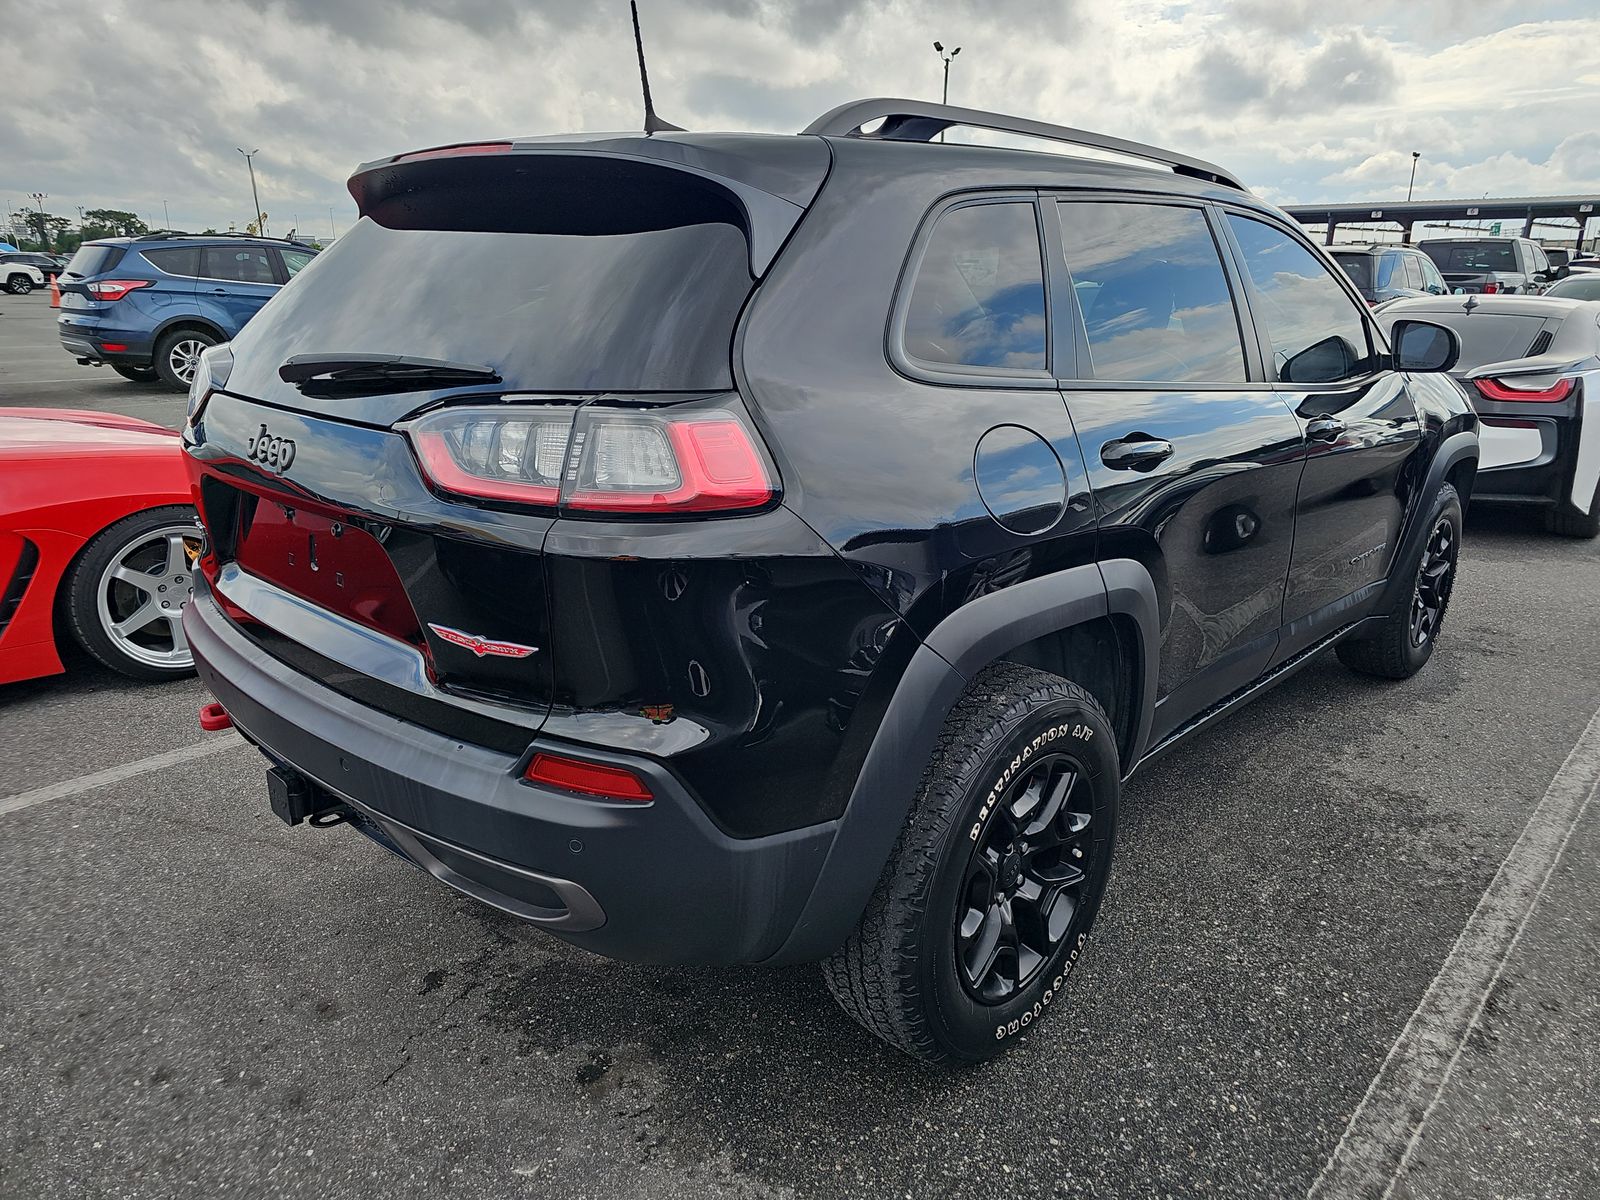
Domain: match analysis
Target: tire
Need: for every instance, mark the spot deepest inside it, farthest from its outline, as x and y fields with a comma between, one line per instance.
x=1404, y=642
x=103, y=594
x=1565, y=520
x=137, y=374
x=19, y=285
x=174, y=349
x=911, y=972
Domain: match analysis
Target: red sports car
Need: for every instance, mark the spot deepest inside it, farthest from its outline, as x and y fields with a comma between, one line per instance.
x=97, y=538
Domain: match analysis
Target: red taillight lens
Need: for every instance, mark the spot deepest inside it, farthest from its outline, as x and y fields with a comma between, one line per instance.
x=115, y=289
x=1490, y=288
x=467, y=150
x=595, y=459
x=1495, y=389
x=590, y=779
x=510, y=454
x=646, y=464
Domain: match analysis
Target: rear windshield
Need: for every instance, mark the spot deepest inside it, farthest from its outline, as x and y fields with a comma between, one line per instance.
x=1473, y=256
x=1488, y=337
x=1577, y=287
x=92, y=260
x=1358, y=267
x=651, y=310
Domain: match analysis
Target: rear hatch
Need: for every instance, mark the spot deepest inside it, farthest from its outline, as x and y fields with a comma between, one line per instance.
x=91, y=261
x=384, y=448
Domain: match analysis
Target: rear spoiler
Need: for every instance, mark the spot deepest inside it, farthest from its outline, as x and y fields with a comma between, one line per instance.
x=769, y=180
x=1543, y=364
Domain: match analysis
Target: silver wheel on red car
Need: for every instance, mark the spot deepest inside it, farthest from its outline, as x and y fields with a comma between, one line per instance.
x=127, y=593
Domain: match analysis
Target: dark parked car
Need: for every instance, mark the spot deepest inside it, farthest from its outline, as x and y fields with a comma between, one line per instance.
x=148, y=306
x=49, y=264
x=1383, y=273
x=750, y=548
x=1491, y=266
x=1532, y=367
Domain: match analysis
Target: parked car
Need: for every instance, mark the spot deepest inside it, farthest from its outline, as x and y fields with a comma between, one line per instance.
x=1383, y=273
x=1580, y=285
x=49, y=265
x=726, y=586
x=1583, y=262
x=1532, y=367
x=97, y=537
x=148, y=306
x=1490, y=265
x=20, y=278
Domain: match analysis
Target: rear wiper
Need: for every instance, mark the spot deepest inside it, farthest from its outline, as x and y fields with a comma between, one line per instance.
x=354, y=374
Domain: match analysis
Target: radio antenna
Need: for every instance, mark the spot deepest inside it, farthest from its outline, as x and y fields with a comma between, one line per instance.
x=652, y=123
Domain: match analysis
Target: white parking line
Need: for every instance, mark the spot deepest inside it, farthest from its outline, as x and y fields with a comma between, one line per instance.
x=1376, y=1149
x=142, y=766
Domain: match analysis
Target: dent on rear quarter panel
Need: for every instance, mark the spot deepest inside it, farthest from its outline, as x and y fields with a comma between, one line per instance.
x=743, y=652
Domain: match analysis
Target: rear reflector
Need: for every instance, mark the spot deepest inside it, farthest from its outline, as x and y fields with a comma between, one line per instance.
x=115, y=289
x=113, y=347
x=590, y=779
x=1496, y=389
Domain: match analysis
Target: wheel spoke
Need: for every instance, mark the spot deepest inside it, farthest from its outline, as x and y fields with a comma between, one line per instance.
x=177, y=554
x=985, y=949
x=145, y=582
x=1028, y=799
x=1056, y=793
x=137, y=620
x=1059, y=918
x=180, y=640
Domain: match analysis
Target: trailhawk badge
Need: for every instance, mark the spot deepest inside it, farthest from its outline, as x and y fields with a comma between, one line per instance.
x=481, y=646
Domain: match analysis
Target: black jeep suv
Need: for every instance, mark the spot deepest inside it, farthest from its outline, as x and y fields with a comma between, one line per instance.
x=781, y=548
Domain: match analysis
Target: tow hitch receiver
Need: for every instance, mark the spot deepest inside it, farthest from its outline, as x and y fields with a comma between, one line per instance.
x=295, y=799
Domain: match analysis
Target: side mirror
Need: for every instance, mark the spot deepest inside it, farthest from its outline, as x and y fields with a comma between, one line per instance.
x=1424, y=347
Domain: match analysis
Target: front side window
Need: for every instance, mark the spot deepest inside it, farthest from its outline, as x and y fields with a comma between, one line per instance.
x=240, y=264
x=1154, y=297
x=1317, y=332
x=1432, y=281
x=978, y=299
x=295, y=260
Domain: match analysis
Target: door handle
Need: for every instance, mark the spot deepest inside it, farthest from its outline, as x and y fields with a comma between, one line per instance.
x=1135, y=452
x=1325, y=428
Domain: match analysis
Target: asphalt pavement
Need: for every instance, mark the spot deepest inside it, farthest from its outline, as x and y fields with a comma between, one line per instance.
x=1350, y=945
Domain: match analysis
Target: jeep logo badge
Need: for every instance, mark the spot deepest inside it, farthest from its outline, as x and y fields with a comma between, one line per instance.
x=274, y=452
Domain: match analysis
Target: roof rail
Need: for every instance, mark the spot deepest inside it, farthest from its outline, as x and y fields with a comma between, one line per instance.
x=162, y=235
x=921, y=121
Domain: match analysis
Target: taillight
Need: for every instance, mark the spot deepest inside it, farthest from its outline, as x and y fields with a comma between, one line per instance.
x=115, y=289
x=1495, y=389
x=1490, y=288
x=587, y=778
x=595, y=459
x=466, y=150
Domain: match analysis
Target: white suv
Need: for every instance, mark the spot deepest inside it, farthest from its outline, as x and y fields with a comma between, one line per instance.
x=20, y=278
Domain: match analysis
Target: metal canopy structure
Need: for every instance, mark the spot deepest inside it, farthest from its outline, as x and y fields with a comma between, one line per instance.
x=1408, y=213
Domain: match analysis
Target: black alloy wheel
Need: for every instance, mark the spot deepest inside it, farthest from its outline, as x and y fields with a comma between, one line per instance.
x=1024, y=881
x=1435, y=577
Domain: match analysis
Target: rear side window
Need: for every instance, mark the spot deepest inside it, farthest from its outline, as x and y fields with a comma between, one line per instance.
x=1317, y=332
x=1431, y=279
x=1413, y=272
x=978, y=298
x=1155, y=301
x=1386, y=266
x=91, y=260
x=1358, y=267
x=237, y=264
x=177, y=260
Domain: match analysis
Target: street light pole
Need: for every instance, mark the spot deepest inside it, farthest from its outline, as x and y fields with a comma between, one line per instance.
x=165, y=215
x=939, y=49
x=261, y=226
x=1415, y=154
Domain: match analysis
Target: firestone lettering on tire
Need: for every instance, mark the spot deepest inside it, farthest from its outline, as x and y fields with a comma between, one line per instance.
x=1076, y=730
x=1029, y=1016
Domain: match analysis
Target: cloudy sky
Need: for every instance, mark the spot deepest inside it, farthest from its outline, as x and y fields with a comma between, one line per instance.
x=126, y=103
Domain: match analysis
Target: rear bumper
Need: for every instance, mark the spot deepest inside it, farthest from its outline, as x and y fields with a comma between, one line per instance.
x=644, y=883
x=87, y=339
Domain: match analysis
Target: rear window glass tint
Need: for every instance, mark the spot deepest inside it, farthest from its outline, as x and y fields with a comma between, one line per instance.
x=1491, y=337
x=978, y=300
x=1358, y=267
x=1154, y=297
x=652, y=310
x=176, y=260
x=92, y=260
x=1474, y=256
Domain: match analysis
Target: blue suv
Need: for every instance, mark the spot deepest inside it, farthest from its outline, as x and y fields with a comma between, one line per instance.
x=148, y=306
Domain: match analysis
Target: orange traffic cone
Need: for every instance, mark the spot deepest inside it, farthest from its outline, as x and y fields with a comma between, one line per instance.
x=55, y=293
